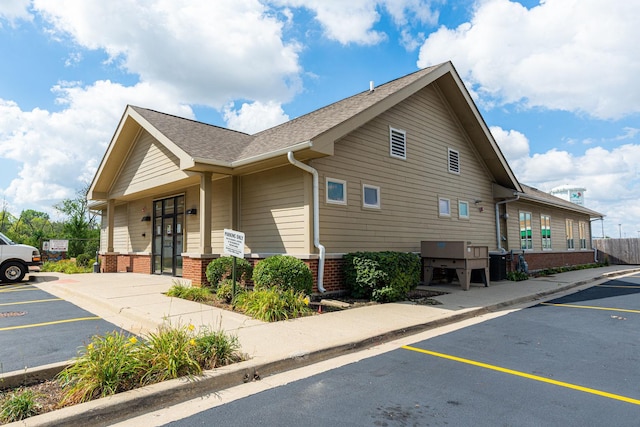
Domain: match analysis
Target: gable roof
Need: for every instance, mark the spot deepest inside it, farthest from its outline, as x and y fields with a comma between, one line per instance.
x=201, y=146
x=539, y=196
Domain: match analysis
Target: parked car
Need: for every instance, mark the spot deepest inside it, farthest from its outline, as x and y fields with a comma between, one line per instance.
x=15, y=259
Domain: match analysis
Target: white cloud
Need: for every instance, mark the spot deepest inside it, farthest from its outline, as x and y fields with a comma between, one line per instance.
x=14, y=10
x=574, y=55
x=209, y=52
x=353, y=21
x=610, y=176
x=254, y=117
x=60, y=151
x=513, y=144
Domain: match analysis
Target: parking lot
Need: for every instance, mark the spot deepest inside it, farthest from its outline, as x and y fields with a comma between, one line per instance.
x=569, y=361
x=37, y=328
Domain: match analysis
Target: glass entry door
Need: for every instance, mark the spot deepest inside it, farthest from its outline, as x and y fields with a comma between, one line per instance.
x=168, y=235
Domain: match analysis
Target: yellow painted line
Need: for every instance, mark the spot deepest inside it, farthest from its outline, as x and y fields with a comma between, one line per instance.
x=591, y=307
x=31, y=302
x=525, y=375
x=56, y=322
x=20, y=289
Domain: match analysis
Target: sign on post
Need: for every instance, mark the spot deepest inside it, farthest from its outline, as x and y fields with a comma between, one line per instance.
x=59, y=245
x=234, y=243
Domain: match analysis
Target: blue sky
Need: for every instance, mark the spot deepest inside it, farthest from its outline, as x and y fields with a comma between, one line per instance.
x=556, y=81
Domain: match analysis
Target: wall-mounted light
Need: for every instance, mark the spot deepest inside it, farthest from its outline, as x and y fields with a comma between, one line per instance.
x=505, y=216
x=476, y=201
x=146, y=218
x=193, y=211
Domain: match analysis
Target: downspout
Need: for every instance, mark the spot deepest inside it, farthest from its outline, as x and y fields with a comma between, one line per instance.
x=316, y=217
x=498, y=234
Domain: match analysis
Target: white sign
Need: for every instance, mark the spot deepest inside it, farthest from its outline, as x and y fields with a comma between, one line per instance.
x=234, y=243
x=59, y=245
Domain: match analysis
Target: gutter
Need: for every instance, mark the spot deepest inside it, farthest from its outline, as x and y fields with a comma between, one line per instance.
x=316, y=216
x=498, y=234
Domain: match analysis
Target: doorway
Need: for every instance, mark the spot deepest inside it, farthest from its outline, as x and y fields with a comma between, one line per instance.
x=168, y=235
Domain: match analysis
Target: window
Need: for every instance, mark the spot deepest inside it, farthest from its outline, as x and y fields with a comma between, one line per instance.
x=545, y=231
x=370, y=196
x=582, y=231
x=463, y=210
x=454, y=161
x=336, y=191
x=569, y=231
x=526, y=241
x=397, y=143
x=444, y=206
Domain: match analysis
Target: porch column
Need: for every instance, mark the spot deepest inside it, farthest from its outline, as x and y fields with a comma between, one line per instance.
x=206, y=189
x=111, y=211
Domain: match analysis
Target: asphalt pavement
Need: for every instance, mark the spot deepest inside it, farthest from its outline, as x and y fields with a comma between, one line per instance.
x=136, y=303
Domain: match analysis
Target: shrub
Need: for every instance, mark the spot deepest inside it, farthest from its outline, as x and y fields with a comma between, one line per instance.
x=274, y=304
x=216, y=348
x=225, y=290
x=285, y=272
x=221, y=268
x=169, y=353
x=64, y=266
x=381, y=276
x=18, y=405
x=517, y=276
x=191, y=293
x=84, y=260
x=108, y=365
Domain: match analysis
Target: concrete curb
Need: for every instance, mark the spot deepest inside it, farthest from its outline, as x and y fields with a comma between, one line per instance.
x=109, y=410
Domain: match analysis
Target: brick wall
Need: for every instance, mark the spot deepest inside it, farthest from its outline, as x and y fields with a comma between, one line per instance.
x=541, y=260
x=141, y=264
x=124, y=264
x=108, y=263
x=195, y=269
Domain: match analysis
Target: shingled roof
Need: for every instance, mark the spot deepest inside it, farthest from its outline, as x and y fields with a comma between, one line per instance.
x=203, y=141
x=531, y=193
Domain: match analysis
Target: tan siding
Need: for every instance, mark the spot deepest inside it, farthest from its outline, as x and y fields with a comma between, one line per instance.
x=221, y=213
x=558, y=234
x=409, y=189
x=274, y=211
x=120, y=230
x=136, y=210
x=192, y=222
x=148, y=165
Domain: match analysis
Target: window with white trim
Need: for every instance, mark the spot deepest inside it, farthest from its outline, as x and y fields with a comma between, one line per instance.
x=545, y=231
x=370, y=196
x=444, y=207
x=463, y=209
x=582, y=231
x=336, y=191
x=454, y=161
x=569, y=230
x=397, y=143
x=526, y=238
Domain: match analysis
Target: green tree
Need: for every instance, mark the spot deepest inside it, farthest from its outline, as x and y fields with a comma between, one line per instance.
x=31, y=228
x=80, y=225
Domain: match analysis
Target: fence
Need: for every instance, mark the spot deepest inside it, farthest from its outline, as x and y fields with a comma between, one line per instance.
x=618, y=251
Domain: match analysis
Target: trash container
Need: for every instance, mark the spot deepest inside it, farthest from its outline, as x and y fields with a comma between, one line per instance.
x=498, y=267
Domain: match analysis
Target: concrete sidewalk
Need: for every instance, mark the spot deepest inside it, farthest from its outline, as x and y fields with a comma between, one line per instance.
x=136, y=303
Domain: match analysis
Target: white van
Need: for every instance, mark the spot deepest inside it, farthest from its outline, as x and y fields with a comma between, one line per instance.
x=15, y=259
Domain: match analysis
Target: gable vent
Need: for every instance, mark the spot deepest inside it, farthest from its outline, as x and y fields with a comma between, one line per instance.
x=454, y=161
x=398, y=143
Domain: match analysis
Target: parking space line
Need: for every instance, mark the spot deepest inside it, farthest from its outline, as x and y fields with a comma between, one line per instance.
x=55, y=322
x=591, y=307
x=525, y=375
x=619, y=286
x=31, y=302
x=20, y=289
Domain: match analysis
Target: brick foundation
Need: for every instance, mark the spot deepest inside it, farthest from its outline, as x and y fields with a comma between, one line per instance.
x=195, y=269
x=141, y=264
x=543, y=260
x=108, y=263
